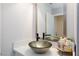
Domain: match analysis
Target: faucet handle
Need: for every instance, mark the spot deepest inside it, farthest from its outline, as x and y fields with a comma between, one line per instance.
x=43, y=36
x=37, y=37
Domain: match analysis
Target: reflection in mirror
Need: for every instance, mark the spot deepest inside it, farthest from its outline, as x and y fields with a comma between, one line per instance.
x=51, y=25
x=50, y=19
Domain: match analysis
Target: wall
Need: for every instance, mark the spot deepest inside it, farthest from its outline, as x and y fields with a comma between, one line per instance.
x=0, y=29
x=17, y=24
x=77, y=29
x=42, y=10
x=72, y=22
x=50, y=24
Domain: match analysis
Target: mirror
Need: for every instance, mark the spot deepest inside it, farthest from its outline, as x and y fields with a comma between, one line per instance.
x=51, y=19
x=51, y=24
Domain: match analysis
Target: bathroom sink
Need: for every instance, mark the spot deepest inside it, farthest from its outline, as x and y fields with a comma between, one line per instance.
x=52, y=38
x=40, y=46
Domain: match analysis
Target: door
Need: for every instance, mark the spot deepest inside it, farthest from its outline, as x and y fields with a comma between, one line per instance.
x=59, y=23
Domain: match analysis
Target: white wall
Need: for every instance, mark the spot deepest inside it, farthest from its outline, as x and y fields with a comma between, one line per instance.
x=0, y=29
x=72, y=23
x=40, y=22
x=77, y=30
x=42, y=10
x=50, y=24
x=17, y=24
x=71, y=17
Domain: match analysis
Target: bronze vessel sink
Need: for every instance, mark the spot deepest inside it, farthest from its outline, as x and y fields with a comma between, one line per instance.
x=40, y=46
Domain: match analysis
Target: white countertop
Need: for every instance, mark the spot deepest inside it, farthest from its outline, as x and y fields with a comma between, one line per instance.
x=22, y=48
x=25, y=50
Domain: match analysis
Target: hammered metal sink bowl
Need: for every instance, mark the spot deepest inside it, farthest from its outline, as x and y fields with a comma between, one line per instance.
x=40, y=47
